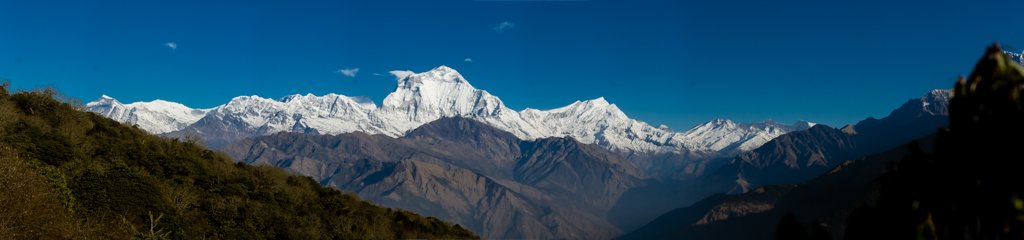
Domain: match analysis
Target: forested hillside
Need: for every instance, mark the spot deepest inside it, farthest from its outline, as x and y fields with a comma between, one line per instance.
x=67, y=173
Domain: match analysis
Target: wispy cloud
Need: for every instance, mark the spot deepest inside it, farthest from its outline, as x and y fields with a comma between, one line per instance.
x=504, y=26
x=378, y=74
x=467, y=60
x=172, y=45
x=400, y=74
x=349, y=72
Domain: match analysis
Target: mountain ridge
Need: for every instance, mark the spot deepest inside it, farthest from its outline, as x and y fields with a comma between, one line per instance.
x=465, y=171
x=800, y=155
x=419, y=98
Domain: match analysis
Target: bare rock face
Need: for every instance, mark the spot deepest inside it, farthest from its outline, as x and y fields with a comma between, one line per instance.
x=467, y=172
x=565, y=166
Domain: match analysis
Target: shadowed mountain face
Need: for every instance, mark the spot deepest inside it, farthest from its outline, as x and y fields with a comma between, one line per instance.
x=826, y=199
x=792, y=158
x=467, y=172
x=969, y=186
x=960, y=183
x=799, y=156
x=715, y=208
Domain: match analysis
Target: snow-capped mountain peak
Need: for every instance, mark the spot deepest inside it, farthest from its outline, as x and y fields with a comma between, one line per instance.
x=443, y=73
x=716, y=123
x=937, y=101
x=105, y=106
x=802, y=125
x=441, y=92
x=157, y=116
x=727, y=136
x=597, y=106
x=433, y=78
x=599, y=101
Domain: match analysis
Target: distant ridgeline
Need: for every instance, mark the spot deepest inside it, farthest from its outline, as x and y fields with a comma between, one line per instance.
x=70, y=174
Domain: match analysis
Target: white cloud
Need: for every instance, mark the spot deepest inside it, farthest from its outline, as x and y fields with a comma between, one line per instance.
x=400, y=74
x=349, y=72
x=504, y=26
x=378, y=74
x=172, y=45
x=468, y=60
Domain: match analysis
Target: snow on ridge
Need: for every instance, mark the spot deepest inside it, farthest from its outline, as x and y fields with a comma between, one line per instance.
x=157, y=116
x=423, y=97
x=728, y=136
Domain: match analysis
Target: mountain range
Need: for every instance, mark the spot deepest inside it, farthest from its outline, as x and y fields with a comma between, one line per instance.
x=420, y=98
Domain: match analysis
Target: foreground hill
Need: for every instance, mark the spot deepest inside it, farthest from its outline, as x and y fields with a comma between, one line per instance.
x=67, y=173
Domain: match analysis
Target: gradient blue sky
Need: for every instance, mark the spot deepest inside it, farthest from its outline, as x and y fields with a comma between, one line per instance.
x=673, y=62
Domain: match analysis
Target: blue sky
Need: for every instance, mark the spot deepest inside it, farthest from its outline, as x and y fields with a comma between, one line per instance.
x=673, y=62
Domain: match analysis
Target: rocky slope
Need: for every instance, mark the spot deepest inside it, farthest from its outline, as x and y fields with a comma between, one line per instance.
x=465, y=171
